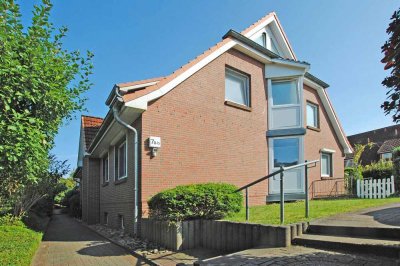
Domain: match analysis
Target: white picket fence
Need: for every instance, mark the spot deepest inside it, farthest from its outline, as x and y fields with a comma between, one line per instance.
x=375, y=188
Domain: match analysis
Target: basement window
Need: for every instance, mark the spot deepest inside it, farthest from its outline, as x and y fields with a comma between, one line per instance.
x=105, y=218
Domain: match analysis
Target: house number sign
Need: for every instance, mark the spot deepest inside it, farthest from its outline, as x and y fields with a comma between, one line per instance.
x=154, y=142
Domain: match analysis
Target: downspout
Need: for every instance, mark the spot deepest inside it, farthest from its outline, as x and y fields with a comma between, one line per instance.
x=135, y=144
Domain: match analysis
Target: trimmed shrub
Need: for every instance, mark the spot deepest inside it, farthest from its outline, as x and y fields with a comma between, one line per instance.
x=381, y=169
x=201, y=201
x=396, y=168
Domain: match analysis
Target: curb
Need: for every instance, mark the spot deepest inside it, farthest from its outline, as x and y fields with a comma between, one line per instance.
x=147, y=260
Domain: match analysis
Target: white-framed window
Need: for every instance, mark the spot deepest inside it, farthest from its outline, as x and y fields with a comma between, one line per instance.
x=120, y=163
x=386, y=156
x=237, y=87
x=312, y=115
x=262, y=40
x=266, y=40
x=285, y=92
x=284, y=103
x=326, y=164
x=105, y=169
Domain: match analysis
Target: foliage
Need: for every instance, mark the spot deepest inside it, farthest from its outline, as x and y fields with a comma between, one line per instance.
x=9, y=220
x=64, y=185
x=391, y=49
x=41, y=86
x=71, y=200
x=294, y=211
x=17, y=243
x=396, y=168
x=359, y=150
x=45, y=187
x=378, y=170
x=200, y=201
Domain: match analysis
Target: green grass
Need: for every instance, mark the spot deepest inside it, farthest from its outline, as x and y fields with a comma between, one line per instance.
x=18, y=244
x=295, y=211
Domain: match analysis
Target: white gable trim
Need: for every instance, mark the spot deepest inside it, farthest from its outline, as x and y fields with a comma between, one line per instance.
x=138, y=86
x=331, y=114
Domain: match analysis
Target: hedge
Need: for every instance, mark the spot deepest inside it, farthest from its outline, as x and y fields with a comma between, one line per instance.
x=200, y=201
x=381, y=169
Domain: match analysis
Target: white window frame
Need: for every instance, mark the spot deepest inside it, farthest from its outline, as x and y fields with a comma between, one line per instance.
x=330, y=154
x=246, y=81
x=108, y=168
x=269, y=41
x=272, y=107
x=316, y=114
x=387, y=159
x=116, y=162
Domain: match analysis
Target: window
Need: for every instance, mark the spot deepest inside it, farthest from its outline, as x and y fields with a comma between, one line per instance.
x=326, y=164
x=262, y=40
x=120, y=161
x=121, y=222
x=286, y=152
x=312, y=115
x=285, y=93
x=237, y=87
x=105, y=169
x=386, y=156
x=105, y=218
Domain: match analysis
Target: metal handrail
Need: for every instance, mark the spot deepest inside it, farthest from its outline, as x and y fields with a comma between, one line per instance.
x=282, y=194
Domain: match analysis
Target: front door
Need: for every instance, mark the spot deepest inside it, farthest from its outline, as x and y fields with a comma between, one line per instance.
x=286, y=151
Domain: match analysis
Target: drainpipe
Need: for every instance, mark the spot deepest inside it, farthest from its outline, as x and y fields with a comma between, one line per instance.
x=135, y=142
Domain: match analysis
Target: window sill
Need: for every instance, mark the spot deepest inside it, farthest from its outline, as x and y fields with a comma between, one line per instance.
x=314, y=128
x=325, y=177
x=120, y=181
x=105, y=184
x=238, y=106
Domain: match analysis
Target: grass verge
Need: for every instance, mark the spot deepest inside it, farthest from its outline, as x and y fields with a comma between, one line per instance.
x=295, y=211
x=18, y=244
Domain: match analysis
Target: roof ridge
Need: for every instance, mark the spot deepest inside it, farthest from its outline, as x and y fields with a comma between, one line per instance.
x=246, y=30
x=92, y=116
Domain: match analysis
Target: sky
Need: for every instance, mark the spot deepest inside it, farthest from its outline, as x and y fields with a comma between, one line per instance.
x=134, y=40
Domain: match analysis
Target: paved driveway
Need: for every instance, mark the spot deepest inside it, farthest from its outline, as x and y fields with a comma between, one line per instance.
x=67, y=242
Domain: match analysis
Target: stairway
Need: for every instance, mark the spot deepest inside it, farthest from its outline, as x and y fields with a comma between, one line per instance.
x=381, y=241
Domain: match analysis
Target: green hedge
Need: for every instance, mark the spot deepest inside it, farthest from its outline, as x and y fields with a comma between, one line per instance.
x=381, y=169
x=200, y=201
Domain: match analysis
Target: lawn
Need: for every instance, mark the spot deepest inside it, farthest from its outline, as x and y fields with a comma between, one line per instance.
x=295, y=211
x=18, y=244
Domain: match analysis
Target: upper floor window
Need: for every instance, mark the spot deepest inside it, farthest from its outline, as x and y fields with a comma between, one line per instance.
x=237, y=87
x=312, y=115
x=105, y=169
x=120, y=161
x=262, y=40
x=285, y=93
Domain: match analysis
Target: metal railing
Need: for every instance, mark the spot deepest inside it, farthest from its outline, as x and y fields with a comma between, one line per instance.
x=281, y=172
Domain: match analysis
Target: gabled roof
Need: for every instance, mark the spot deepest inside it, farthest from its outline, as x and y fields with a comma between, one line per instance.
x=90, y=127
x=389, y=145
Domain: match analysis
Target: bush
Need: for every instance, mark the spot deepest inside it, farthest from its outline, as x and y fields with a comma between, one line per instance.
x=72, y=201
x=381, y=169
x=200, y=201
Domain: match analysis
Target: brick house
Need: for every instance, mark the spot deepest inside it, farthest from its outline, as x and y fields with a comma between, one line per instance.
x=237, y=112
x=384, y=140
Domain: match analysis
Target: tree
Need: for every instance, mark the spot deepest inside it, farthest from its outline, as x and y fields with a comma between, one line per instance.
x=391, y=49
x=41, y=87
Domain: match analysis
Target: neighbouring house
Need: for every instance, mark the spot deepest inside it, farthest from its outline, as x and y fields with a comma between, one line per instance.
x=383, y=141
x=235, y=113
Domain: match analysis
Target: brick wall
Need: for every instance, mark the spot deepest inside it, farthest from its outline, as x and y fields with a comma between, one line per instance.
x=117, y=198
x=204, y=140
x=316, y=140
x=90, y=190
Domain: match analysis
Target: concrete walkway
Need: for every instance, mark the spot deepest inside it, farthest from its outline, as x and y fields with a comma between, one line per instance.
x=67, y=242
x=387, y=216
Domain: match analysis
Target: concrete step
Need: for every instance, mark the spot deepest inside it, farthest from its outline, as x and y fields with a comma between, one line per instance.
x=379, y=247
x=369, y=232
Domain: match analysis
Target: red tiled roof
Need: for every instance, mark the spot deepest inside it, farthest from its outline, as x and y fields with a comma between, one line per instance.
x=389, y=145
x=90, y=126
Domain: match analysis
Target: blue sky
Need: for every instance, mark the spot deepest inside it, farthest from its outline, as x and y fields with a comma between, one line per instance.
x=135, y=40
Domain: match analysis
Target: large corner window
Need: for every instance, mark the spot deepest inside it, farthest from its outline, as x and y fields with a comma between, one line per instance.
x=284, y=104
x=106, y=177
x=326, y=164
x=120, y=161
x=312, y=115
x=286, y=152
x=237, y=87
x=285, y=93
